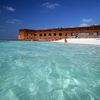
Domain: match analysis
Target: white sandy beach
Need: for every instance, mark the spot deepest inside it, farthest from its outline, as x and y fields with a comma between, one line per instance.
x=95, y=41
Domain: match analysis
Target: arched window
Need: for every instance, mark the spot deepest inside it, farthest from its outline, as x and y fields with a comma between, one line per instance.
x=34, y=34
x=72, y=34
x=54, y=34
x=40, y=34
x=66, y=34
x=45, y=34
x=80, y=34
x=95, y=34
x=49, y=34
x=60, y=34
x=98, y=33
x=87, y=33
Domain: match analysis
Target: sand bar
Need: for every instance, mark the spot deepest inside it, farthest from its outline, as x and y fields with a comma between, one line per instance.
x=95, y=41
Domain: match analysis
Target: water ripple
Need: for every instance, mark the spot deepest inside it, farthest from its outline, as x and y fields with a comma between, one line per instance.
x=49, y=71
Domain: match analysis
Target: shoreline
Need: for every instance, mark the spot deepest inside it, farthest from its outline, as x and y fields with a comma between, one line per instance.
x=93, y=41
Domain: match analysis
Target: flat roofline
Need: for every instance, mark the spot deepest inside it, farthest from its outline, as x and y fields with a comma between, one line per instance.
x=68, y=28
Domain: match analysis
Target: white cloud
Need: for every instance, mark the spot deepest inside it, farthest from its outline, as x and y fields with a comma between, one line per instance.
x=51, y=5
x=14, y=21
x=87, y=20
x=9, y=8
x=83, y=24
x=96, y=24
x=71, y=26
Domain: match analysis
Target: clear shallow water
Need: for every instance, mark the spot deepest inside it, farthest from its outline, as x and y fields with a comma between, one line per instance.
x=49, y=71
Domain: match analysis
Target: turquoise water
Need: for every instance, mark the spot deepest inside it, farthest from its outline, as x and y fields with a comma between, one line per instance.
x=49, y=71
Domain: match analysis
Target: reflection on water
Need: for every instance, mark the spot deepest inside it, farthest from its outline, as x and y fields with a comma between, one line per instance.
x=49, y=71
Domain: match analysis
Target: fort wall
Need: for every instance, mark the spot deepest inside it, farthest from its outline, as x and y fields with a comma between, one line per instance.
x=59, y=33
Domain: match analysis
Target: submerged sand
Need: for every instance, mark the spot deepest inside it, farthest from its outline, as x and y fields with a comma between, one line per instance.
x=95, y=41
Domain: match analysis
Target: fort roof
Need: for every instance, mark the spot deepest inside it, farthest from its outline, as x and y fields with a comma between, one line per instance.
x=94, y=27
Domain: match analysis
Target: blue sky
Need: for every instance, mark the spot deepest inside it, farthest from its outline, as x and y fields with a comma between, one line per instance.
x=42, y=14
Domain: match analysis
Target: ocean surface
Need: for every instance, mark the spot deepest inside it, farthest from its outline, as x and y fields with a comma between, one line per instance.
x=49, y=71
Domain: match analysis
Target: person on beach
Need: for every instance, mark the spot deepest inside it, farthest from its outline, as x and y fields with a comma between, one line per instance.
x=65, y=40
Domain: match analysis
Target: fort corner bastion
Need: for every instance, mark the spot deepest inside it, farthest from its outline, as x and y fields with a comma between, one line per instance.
x=59, y=33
